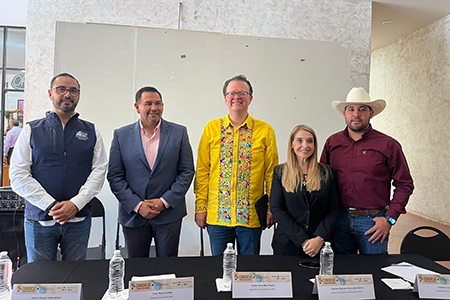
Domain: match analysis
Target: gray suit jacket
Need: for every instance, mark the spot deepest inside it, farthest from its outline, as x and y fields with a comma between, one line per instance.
x=131, y=179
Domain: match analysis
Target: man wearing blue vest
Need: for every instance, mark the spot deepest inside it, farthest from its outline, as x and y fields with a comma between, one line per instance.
x=58, y=166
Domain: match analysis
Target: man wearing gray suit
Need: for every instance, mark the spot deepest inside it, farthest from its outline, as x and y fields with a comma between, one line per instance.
x=150, y=170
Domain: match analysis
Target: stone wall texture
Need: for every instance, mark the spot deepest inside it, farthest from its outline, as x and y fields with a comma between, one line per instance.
x=412, y=75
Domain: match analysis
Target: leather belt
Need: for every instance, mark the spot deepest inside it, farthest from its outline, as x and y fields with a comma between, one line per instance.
x=363, y=212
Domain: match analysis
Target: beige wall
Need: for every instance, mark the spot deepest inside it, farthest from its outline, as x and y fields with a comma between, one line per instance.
x=412, y=75
x=345, y=21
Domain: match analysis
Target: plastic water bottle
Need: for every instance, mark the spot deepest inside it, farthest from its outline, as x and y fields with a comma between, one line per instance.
x=326, y=260
x=116, y=275
x=5, y=276
x=229, y=265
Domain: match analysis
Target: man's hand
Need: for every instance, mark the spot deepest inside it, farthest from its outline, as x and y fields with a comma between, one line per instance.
x=200, y=219
x=156, y=204
x=63, y=211
x=5, y=160
x=146, y=210
x=270, y=220
x=312, y=246
x=380, y=230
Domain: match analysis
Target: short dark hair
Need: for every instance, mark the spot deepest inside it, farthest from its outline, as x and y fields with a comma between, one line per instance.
x=238, y=78
x=64, y=75
x=15, y=122
x=146, y=89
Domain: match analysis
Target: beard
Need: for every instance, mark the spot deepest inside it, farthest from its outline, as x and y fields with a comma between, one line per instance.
x=66, y=108
x=154, y=118
x=361, y=128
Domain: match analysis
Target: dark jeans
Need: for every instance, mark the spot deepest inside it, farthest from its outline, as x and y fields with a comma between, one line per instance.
x=349, y=235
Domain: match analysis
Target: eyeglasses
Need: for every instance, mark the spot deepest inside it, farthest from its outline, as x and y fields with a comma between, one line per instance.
x=62, y=90
x=231, y=95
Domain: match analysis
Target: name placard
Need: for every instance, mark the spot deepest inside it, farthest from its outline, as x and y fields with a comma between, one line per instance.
x=432, y=286
x=173, y=288
x=344, y=287
x=262, y=285
x=64, y=291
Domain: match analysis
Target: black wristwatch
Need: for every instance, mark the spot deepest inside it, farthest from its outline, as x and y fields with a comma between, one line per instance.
x=51, y=205
x=390, y=220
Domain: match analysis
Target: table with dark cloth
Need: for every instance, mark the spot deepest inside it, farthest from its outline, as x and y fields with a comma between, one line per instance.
x=94, y=274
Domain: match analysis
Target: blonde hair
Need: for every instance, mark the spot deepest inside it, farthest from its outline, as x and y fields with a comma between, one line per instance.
x=292, y=173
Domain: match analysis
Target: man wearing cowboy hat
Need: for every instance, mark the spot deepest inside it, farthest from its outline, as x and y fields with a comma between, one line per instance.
x=366, y=162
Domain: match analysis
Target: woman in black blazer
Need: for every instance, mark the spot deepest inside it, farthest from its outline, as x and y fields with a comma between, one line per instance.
x=304, y=198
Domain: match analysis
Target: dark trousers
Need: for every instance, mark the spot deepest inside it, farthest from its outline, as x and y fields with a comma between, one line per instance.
x=8, y=157
x=138, y=239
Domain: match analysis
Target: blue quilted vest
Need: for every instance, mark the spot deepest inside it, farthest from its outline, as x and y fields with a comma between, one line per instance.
x=62, y=159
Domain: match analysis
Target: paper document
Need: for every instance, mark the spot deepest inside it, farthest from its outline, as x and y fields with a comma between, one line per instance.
x=397, y=283
x=406, y=271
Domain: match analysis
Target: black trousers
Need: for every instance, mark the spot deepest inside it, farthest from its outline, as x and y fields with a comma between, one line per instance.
x=138, y=239
x=8, y=157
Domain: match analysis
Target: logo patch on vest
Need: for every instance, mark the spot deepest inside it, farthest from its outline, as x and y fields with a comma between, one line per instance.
x=82, y=136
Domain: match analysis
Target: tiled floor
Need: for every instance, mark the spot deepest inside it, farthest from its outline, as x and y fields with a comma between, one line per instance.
x=406, y=223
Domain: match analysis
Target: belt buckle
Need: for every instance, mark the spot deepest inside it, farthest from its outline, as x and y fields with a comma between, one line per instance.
x=351, y=211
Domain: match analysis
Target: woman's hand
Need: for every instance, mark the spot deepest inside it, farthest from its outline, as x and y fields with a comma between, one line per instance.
x=312, y=246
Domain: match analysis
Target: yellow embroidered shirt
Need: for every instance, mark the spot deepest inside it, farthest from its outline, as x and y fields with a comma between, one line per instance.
x=232, y=166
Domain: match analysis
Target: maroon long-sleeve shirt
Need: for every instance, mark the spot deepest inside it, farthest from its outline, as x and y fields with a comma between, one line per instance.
x=366, y=168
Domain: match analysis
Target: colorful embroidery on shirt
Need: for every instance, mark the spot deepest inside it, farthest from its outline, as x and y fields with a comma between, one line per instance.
x=226, y=166
x=243, y=174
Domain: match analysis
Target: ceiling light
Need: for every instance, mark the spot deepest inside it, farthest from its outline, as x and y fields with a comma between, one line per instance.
x=389, y=21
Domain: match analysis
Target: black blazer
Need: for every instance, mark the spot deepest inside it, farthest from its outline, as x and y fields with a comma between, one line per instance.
x=296, y=219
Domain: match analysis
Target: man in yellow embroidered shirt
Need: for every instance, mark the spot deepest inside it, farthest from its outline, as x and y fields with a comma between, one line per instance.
x=236, y=156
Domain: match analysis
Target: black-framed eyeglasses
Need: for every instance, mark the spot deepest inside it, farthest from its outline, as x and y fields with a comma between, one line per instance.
x=231, y=95
x=61, y=90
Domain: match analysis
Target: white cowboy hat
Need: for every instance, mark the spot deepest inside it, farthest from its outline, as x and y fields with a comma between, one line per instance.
x=358, y=95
